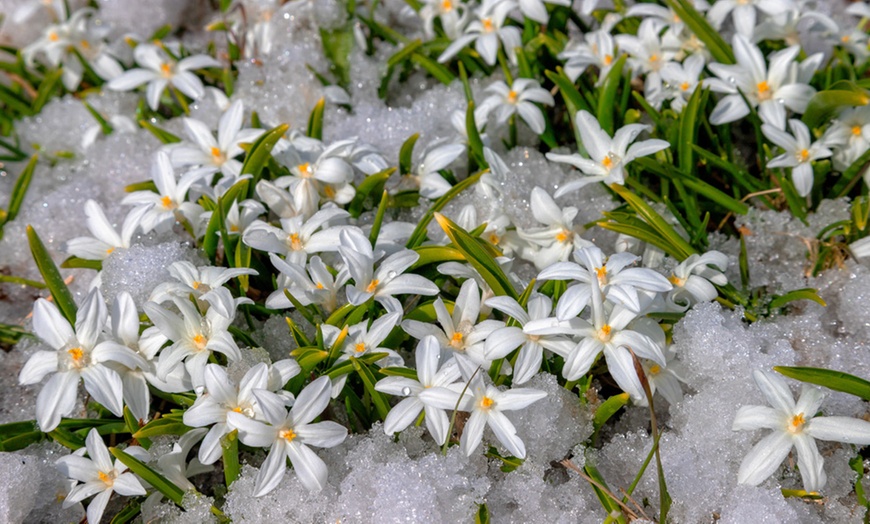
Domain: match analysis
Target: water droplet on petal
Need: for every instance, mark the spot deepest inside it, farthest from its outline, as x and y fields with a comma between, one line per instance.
x=406, y=391
x=732, y=80
x=391, y=274
x=781, y=101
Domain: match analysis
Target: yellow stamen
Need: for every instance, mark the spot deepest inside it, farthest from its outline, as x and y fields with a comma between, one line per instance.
x=234, y=228
x=200, y=341
x=166, y=202
x=562, y=236
x=287, y=434
x=373, y=286
x=105, y=478
x=804, y=155
x=237, y=409
x=359, y=348
x=655, y=369
x=512, y=96
x=319, y=285
x=684, y=86
x=53, y=36
x=763, y=90
x=217, y=155
x=304, y=170
x=487, y=25
x=295, y=242
x=85, y=44
x=845, y=39
x=677, y=281
x=166, y=70
x=604, y=333
x=493, y=239
x=446, y=5
x=196, y=284
x=329, y=191
x=654, y=58
x=607, y=162
x=796, y=424
x=76, y=354
x=456, y=339
x=109, y=251
x=486, y=402
x=608, y=59
x=856, y=130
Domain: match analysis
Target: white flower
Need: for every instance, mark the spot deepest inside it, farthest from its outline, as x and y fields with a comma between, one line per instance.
x=608, y=156
x=537, y=11
x=298, y=237
x=486, y=404
x=743, y=12
x=318, y=172
x=488, y=32
x=504, y=340
x=170, y=201
x=519, y=98
x=784, y=84
x=105, y=239
x=849, y=136
x=289, y=436
x=97, y=475
x=647, y=55
x=790, y=26
x=195, y=336
x=680, y=81
x=389, y=279
x=597, y=50
x=665, y=379
x=800, y=153
x=794, y=425
x=693, y=279
x=460, y=332
x=314, y=286
x=221, y=397
x=215, y=155
x=174, y=465
x=558, y=238
x=453, y=15
x=429, y=374
x=197, y=281
x=426, y=177
x=363, y=339
x=78, y=354
x=159, y=70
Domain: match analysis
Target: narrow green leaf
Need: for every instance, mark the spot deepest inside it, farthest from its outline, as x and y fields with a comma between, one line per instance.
x=607, y=409
x=164, y=136
x=482, y=515
x=260, y=152
x=798, y=294
x=150, y=475
x=46, y=89
x=607, y=95
x=696, y=22
x=379, y=219
x=371, y=186
x=50, y=274
x=436, y=255
x=19, y=190
x=688, y=132
x=824, y=104
x=651, y=217
x=235, y=193
x=419, y=234
x=133, y=427
x=166, y=425
x=475, y=143
x=382, y=405
x=438, y=71
x=478, y=257
x=337, y=45
x=399, y=372
x=230, y=450
x=73, y=262
x=835, y=380
x=315, y=121
x=406, y=153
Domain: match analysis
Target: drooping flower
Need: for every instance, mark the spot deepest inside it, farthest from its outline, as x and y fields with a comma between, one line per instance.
x=558, y=238
x=105, y=238
x=800, y=152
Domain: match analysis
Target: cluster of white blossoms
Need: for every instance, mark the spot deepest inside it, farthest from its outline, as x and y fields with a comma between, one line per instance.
x=307, y=232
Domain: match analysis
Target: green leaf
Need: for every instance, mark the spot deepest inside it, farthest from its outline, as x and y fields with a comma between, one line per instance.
x=230, y=449
x=132, y=425
x=475, y=143
x=696, y=22
x=607, y=409
x=18, y=192
x=680, y=249
x=436, y=255
x=150, y=475
x=482, y=515
x=419, y=234
x=216, y=222
x=379, y=219
x=371, y=185
x=394, y=371
x=382, y=405
x=607, y=502
x=824, y=104
x=835, y=380
x=337, y=45
x=478, y=257
x=405, y=154
x=315, y=121
x=164, y=136
x=46, y=89
x=309, y=357
x=166, y=425
x=50, y=274
x=438, y=71
x=798, y=294
x=74, y=262
x=607, y=96
x=260, y=152
x=688, y=133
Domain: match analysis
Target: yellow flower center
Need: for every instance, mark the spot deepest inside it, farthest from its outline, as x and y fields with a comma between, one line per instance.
x=607, y=162
x=329, y=191
x=512, y=96
x=601, y=273
x=234, y=228
x=486, y=402
x=217, y=156
x=488, y=26
x=677, y=281
x=493, y=239
x=604, y=333
x=563, y=236
x=319, y=285
x=456, y=339
x=166, y=70
x=196, y=284
x=373, y=286
x=85, y=44
x=655, y=369
x=107, y=479
x=200, y=341
x=856, y=130
x=53, y=36
x=287, y=434
x=796, y=424
x=110, y=250
x=360, y=347
x=804, y=155
x=446, y=6
x=608, y=59
x=295, y=242
x=684, y=86
x=763, y=90
x=304, y=170
x=167, y=203
x=77, y=355
x=845, y=39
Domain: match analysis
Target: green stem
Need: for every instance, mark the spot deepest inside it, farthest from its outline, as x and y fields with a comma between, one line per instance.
x=505, y=67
